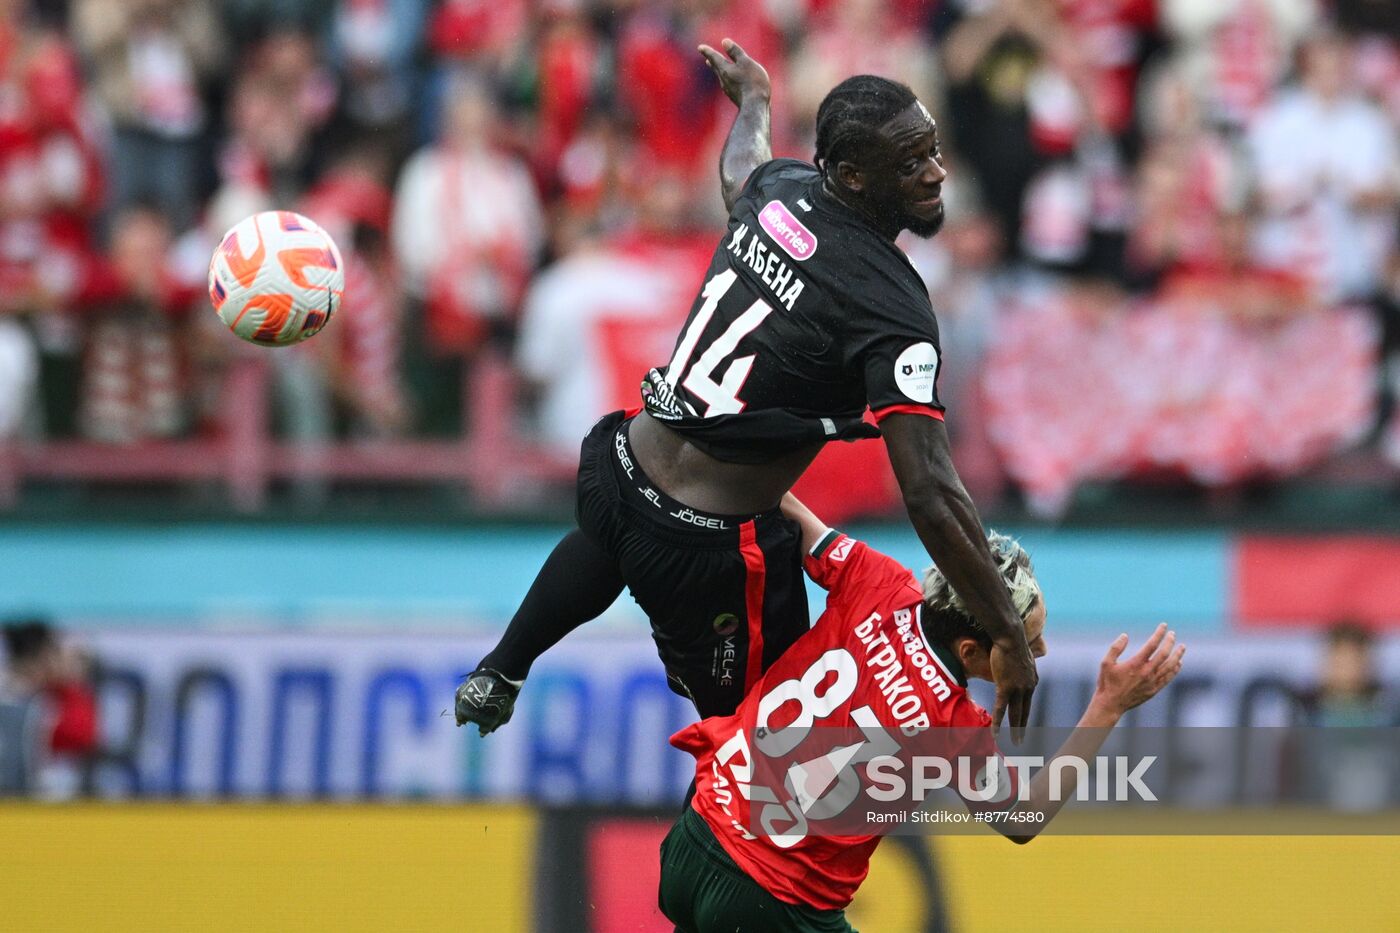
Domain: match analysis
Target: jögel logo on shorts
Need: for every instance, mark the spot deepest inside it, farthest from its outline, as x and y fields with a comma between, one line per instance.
x=787, y=231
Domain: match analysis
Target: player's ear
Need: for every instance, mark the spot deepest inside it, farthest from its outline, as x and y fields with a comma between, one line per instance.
x=970, y=653
x=850, y=176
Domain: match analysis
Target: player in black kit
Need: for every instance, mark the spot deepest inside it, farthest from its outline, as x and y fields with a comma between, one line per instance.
x=808, y=314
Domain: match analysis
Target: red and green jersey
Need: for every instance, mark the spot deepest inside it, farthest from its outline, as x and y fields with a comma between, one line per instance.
x=864, y=669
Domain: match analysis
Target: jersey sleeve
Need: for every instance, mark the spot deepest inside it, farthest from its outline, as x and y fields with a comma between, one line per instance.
x=765, y=174
x=895, y=346
x=839, y=563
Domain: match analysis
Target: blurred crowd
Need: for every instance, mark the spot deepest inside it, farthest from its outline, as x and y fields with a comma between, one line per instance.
x=1190, y=187
x=49, y=730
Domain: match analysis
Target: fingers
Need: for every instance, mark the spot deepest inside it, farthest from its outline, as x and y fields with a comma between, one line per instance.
x=999, y=711
x=1151, y=645
x=1164, y=652
x=733, y=52
x=1115, y=650
x=1020, y=715
x=1171, y=666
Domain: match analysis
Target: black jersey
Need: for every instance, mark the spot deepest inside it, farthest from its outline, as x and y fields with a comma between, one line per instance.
x=807, y=315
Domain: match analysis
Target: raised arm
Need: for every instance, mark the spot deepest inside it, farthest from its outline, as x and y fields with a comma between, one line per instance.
x=948, y=524
x=748, y=146
x=1121, y=687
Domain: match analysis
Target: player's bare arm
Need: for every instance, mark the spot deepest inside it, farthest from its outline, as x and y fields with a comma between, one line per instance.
x=813, y=528
x=1122, y=685
x=947, y=523
x=748, y=146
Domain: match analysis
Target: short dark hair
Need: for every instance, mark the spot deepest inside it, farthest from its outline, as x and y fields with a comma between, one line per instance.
x=27, y=638
x=852, y=112
x=1350, y=631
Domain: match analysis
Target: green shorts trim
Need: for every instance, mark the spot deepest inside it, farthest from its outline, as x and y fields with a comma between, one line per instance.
x=704, y=891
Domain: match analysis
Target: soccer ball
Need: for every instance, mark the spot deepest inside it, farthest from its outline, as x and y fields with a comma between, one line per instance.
x=276, y=279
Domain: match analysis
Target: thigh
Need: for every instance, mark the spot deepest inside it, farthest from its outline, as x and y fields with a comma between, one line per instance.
x=698, y=602
x=680, y=874
x=728, y=902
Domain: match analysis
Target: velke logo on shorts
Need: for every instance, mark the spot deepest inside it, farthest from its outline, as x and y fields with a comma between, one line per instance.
x=787, y=231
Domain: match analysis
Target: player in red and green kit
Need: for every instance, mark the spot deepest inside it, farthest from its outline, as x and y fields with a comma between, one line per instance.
x=886, y=653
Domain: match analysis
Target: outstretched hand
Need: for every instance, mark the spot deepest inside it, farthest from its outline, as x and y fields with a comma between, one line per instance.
x=1015, y=676
x=739, y=75
x=1133, y=682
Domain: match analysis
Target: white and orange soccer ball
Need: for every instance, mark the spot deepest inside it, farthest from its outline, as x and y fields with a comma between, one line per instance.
x=276, y=279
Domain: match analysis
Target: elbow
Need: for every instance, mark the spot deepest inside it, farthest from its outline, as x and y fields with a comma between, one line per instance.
x=931, y=503
x=1020, y=839
x=730, y=192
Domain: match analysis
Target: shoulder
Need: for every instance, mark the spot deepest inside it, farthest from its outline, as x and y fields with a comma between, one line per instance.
x=968, y=712
x=860, y=251
x=883, y=290
x=418, y=166
x=786, y=169
x=775, y=172
x=1364, y=118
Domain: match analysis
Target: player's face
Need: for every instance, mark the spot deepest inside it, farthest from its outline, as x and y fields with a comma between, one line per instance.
x=977, y=660
x=907, y=179
x=1035, y=629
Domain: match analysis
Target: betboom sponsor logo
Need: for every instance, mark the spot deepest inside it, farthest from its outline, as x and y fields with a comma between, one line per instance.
x=787, y=231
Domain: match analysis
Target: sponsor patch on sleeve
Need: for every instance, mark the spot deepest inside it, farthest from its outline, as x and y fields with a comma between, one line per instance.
x=915, y=371
x=787, y=231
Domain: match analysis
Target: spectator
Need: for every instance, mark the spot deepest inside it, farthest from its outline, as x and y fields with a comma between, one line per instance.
x=251, y=21
x=466, y=234
x=374, y=46
x=50, y=187
x=609, y=310
x=857, y=37
x=54, y=676
x=1348, y=692
x=566, y=68
x=1000, y=58
x=1233, y=53
x=133, y=385
x=478, y=33
x=278, y=103
x=19, y=371
x=21, y=748
x=1349, y=766
x=150, y=59
x=362, y=357
x=1187, y=179
x=1325, y=160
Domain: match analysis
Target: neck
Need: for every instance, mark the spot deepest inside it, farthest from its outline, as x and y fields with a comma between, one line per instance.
x=857, y=204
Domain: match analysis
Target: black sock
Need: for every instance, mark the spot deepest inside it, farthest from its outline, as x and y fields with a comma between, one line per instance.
x=577, y=582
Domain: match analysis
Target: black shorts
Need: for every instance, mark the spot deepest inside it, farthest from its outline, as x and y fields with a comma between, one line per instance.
x=725, y=593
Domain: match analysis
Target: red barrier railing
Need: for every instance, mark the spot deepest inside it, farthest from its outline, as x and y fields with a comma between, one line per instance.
x=489, y=461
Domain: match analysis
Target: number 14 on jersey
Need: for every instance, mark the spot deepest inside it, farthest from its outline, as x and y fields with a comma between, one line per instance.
x=722, y=397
